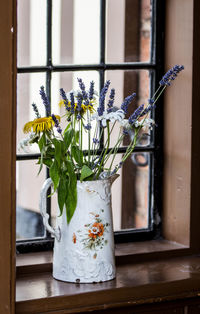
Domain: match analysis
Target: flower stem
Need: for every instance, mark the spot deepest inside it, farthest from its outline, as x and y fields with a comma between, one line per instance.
x=89, y=138
x=108, y=144
x=159, y=93
x=95, y=152
x=120, y=138
x=131, y=146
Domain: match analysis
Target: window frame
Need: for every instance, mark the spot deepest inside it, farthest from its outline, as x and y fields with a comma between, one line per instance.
x=8, y=155
x=7, y=139
x=156, y=66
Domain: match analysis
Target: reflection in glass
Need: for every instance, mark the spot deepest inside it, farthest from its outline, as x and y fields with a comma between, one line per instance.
x=76, y=31
x=31, y=35
x=28, y=185
x=130, y=193
x=128, y=31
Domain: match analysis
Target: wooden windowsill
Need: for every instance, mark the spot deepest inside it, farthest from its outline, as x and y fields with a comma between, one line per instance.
x=124, y=253
x=136, y=284
x=147, y=272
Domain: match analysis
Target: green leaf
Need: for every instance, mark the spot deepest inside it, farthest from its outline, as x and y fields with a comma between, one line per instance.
x=54, y=174
x=63, y=149
x=58, y=152
x=67, y=127
x=41, y=142
x=62, y=191
x=77, y=154
x=68, y=137
x=71, y=173
x=50, y=151
x=41, y=166
x=35, y=139
x=46, y=161
x=71, y=202
x=71, y=199
x=85, y=172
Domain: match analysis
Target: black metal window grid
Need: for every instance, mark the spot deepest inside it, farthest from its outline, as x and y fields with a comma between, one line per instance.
x=155, y=67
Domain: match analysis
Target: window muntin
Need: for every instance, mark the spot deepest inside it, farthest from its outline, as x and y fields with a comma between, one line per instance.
x=61, y=70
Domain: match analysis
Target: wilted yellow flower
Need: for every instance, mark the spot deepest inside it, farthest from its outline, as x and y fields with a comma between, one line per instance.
x=40, y=125
x=83, y=107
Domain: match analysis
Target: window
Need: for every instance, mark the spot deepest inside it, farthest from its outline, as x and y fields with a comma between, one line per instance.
x=119, y=40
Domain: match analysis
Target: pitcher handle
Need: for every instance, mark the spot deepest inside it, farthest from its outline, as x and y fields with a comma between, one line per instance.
x=43, y=209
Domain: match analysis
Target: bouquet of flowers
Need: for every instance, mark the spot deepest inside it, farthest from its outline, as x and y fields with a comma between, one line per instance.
x=86, y=114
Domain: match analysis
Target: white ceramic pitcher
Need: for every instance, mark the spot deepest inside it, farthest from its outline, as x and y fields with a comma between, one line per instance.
x=84, y=248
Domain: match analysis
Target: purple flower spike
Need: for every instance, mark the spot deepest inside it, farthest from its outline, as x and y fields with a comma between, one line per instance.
x=91, y=90
x=151, y=101
x=56, y=123
x=171, y=75
x=114, y=171
x=120, y=164
x=35, y=109
x=72, y=103
x=150, y=107
x=111, y=100
x=45, y=101
x=136, y=114
x=95, y=141
x=88, y=126
x=146, y=110
x=79, y=102
x=64, y=97
x=126, y=102
x=125, y=132
x=103, y=93
x=82, y=87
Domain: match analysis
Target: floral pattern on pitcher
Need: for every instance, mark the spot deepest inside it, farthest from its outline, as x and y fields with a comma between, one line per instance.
x=93, y=237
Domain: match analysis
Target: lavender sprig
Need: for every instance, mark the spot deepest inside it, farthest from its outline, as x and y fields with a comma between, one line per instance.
x=126, y=102
x=111, y=100
x=125, y=132
x=95, y=140
x=35, y=109
x=82, y=87
x=150, y=107
x=171, y=75
x=88, y=126
x=151, y=101
x=57, y=125
x=146, y=110
x=64, y=97
x=103, y=93
x=45, y=101
x=136, y=114
x=72, y=103
x=91, y=90
x=79, y=104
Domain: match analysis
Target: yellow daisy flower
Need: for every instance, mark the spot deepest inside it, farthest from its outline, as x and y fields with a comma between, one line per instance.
x=40, y=125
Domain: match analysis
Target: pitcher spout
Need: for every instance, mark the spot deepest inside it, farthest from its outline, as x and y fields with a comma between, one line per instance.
x=107, y=175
